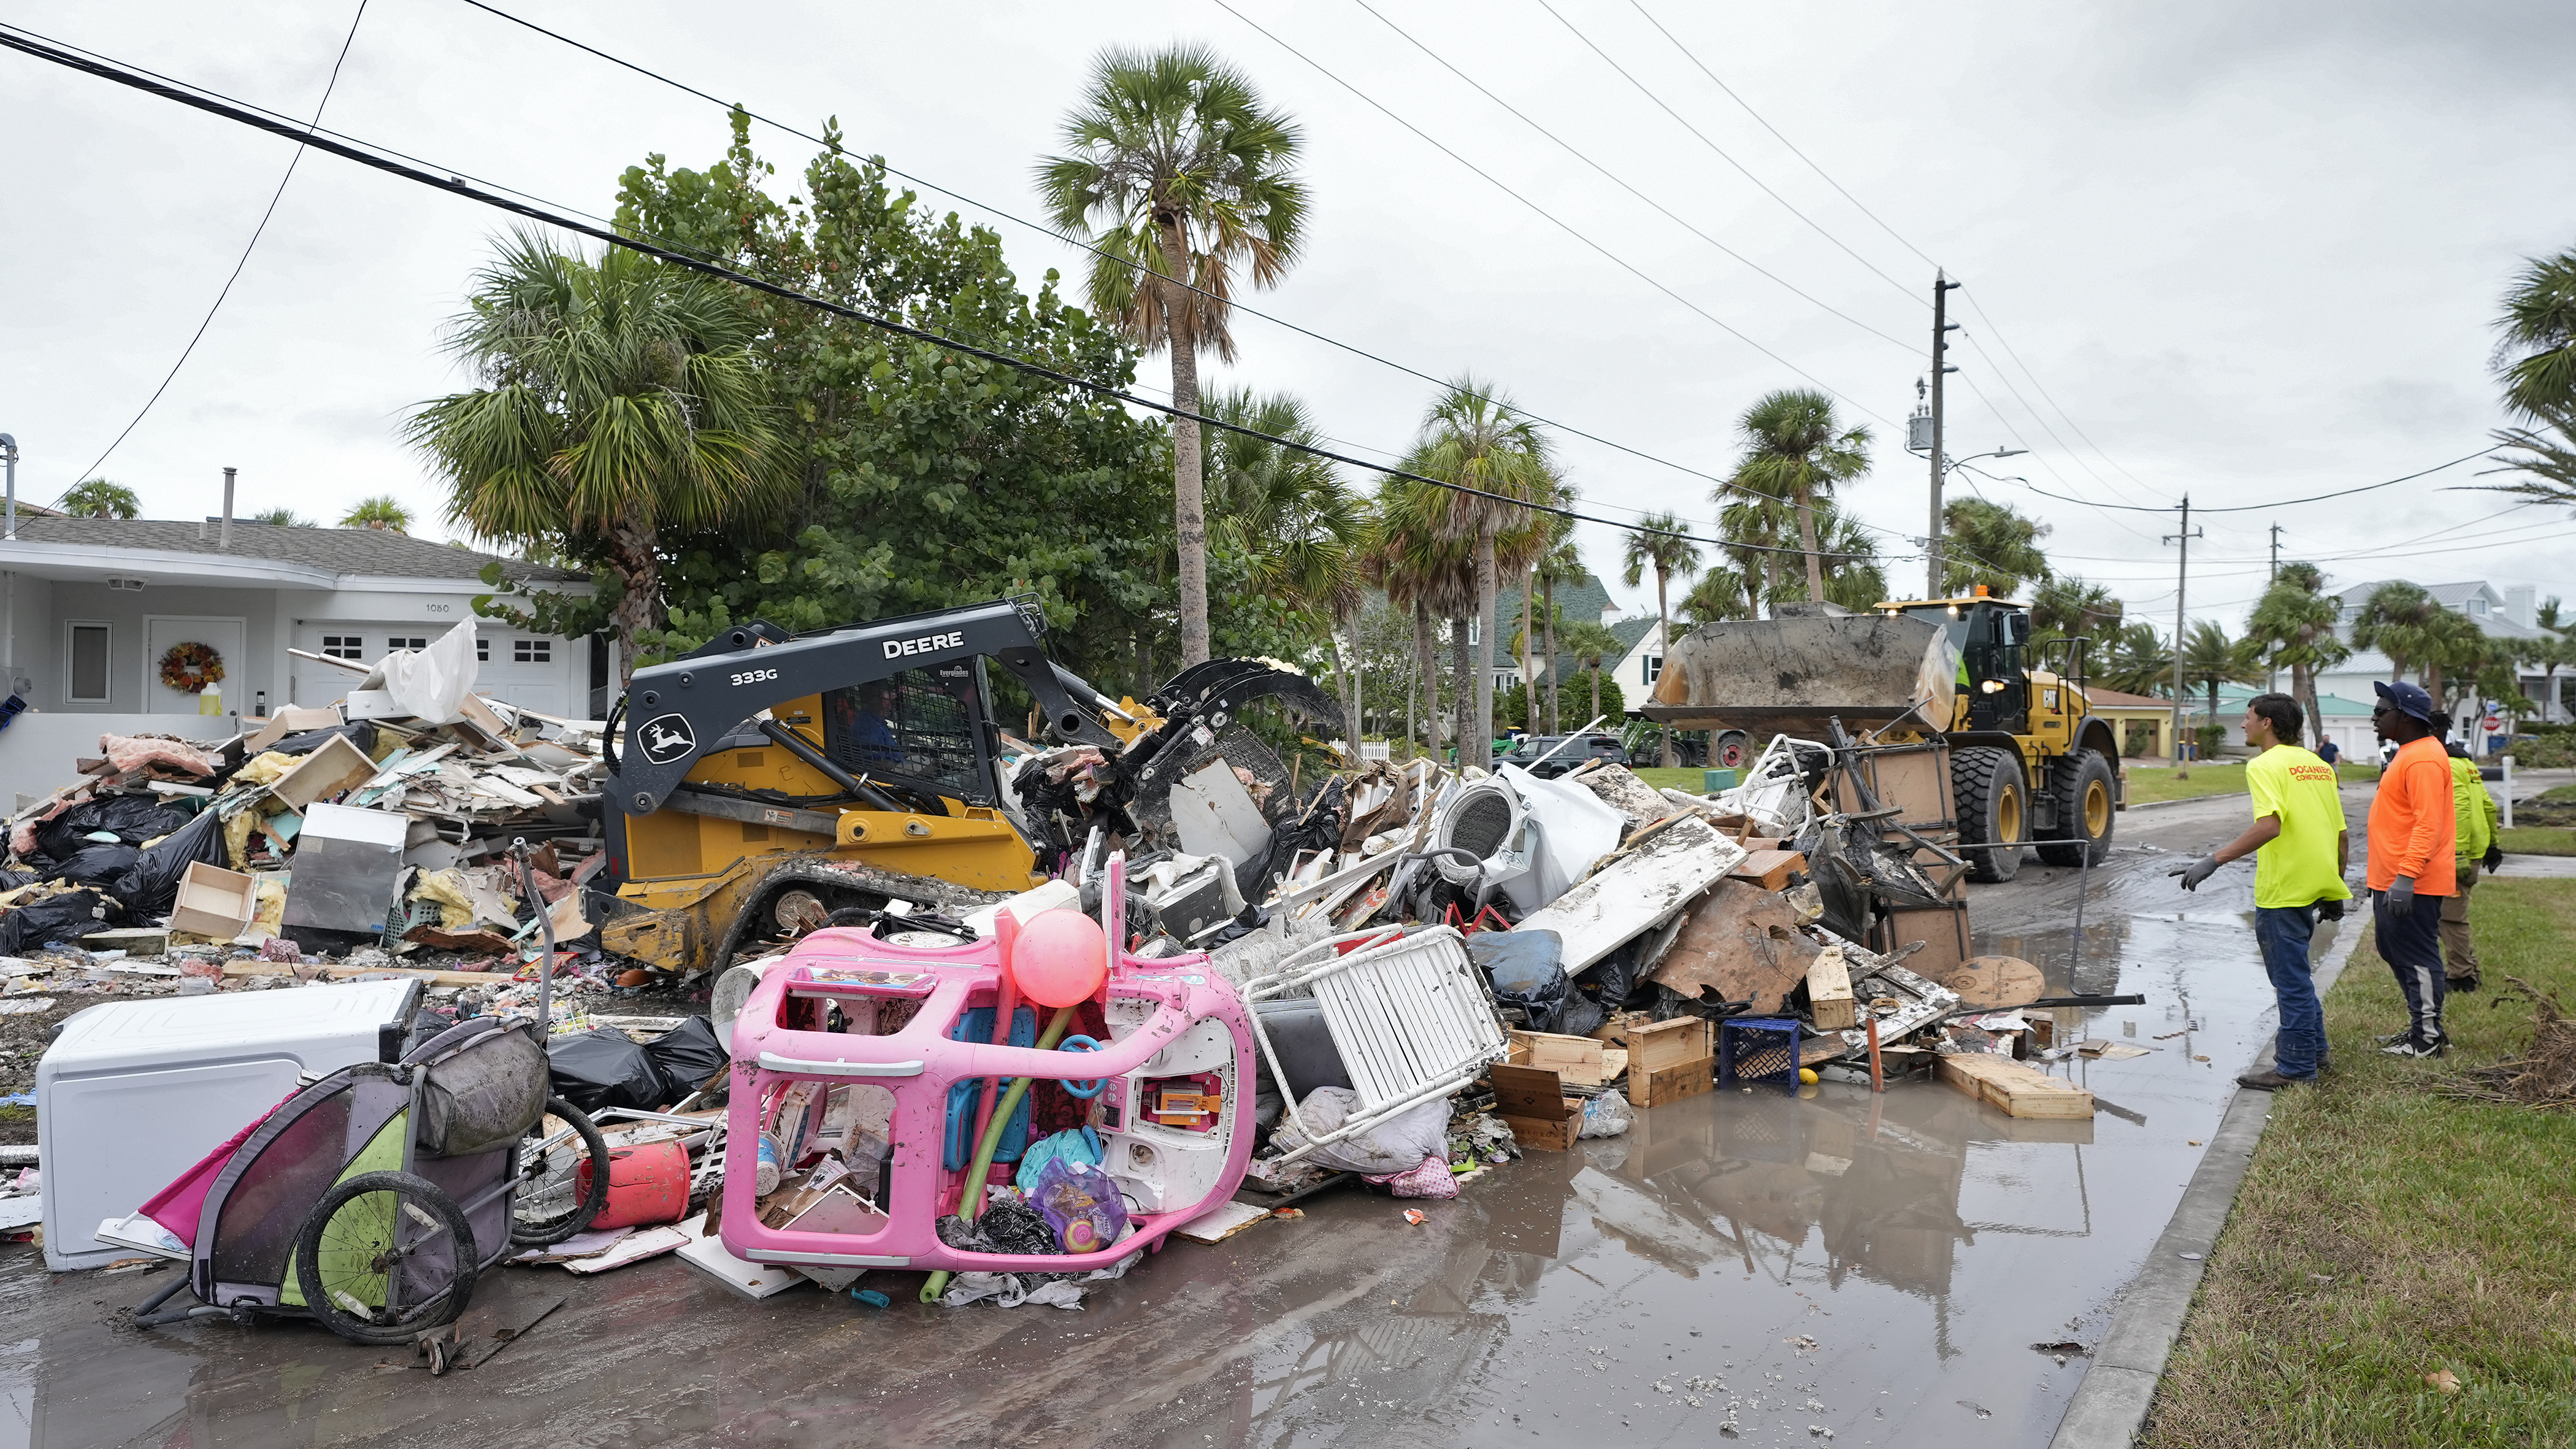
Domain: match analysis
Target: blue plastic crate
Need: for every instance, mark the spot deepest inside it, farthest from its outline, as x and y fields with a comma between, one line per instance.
x=1758, y=1050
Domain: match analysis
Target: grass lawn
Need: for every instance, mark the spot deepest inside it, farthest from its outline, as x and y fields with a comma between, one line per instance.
x=1674, y=779
x=2537, y=840
x=2228, y=778
x=2385, y=1233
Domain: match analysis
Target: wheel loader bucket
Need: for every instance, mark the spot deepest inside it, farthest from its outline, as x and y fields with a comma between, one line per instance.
x=1789, y=676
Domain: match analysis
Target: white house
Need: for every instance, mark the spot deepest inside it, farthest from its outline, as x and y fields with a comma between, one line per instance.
x=2507, y=615
x=92, y=606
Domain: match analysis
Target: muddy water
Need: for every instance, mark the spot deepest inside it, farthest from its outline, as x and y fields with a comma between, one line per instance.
x=1874, y=1265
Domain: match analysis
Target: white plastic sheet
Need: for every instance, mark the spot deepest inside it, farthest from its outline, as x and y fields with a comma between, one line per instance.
x=430, y=684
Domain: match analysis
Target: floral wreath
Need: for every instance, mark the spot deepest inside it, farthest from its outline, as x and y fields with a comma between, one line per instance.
x=189, y=668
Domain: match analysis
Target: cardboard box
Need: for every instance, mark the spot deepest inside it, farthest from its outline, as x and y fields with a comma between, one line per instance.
x=1532, y=1102
x=213, y=901
x=337, y=766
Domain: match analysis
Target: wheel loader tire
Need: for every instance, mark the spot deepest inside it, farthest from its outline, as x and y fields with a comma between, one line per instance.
x=1994, y=809
x=2086, y=800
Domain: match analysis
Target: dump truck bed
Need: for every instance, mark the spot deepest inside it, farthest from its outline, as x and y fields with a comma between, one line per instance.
x=1774, y=676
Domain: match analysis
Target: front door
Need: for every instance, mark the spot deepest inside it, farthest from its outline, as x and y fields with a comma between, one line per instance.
x=229, y=640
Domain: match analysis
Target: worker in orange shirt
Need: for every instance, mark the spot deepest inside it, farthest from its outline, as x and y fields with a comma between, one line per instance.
x=2413, y=829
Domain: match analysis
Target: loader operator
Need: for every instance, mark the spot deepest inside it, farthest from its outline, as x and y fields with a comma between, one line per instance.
x=863, y=717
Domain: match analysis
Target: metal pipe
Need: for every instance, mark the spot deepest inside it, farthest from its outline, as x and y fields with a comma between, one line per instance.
x=9, y=452
x=224, y=536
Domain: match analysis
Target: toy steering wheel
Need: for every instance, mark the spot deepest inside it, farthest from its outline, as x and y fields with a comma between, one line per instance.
x=1087, y=1087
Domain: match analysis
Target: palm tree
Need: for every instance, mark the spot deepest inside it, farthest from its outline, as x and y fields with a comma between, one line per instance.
x=2137, y=660
x=618, y=402
x=2398, y=620
x=1179, y=174
x=1564, y=561
x=282, y=518
x=1425, y=572
x=2294, y=623
x=2550, y=655
x=1593, y=648
x=383, y=511
x=1854, y=578
x=2459, y=650
x=99, y=498
x=1661, y=543
x=2210, y=658
x=1990, y=544
x=1305, y=530
x=1796, y=452
x=1720, y=595
x=2535, y=353
x=1472, y=437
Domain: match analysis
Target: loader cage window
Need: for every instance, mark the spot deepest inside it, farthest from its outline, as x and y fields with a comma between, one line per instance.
x=920, y=726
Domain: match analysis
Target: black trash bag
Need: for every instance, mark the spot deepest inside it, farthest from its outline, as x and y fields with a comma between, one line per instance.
x=96, y=865
x=1527, y=970
x=596, y=1070
x=687, y=1057
x=151, y=885
x=65, y=917
x=1615, y=981
x=132, y=819
x=361, y=733
x=10, y=880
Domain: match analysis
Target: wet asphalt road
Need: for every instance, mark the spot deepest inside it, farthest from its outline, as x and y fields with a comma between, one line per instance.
x=1875, y=1265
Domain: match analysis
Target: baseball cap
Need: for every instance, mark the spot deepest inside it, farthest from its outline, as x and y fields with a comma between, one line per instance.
x=2408, y=699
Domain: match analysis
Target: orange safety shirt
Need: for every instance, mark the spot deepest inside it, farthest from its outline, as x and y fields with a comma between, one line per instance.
x=2412, y=824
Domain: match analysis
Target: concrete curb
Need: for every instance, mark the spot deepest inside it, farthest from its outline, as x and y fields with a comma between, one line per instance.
x=2111, y=1405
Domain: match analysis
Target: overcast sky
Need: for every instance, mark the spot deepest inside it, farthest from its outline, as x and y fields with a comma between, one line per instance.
x=2251, y=253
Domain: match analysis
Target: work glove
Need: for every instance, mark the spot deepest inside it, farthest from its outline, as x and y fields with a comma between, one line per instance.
x=2400, y=894
x=2330, y=910
x=2196, y=872
x=2493, y=859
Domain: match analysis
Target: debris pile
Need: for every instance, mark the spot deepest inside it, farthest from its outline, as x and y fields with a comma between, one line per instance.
x=365, y=836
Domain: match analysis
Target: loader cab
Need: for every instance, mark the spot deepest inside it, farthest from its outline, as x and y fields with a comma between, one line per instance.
x=1992, y=635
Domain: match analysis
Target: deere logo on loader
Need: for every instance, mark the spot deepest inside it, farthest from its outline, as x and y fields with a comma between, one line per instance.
x=667, y=738
x=927, y=643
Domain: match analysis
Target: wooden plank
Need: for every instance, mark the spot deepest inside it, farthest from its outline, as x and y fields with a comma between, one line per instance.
x=2019, y=1090
x=1672, y=1083
x=1578, y=1059
x=1641, y=891
x=1769, y=869
x=1829, y=992
x=344, y=973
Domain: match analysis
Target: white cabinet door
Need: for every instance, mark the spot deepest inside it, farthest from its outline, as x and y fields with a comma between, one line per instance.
x=227, y=637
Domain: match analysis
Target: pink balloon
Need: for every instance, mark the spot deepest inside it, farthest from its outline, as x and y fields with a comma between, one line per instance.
x=1060, y=958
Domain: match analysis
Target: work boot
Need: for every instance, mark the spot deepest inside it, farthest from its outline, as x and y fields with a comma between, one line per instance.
x=2417, y=1049
x=2269, y=1081
x=2460, y=983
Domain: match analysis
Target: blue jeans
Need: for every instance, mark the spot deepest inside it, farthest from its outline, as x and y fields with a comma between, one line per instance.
x=2284, y=932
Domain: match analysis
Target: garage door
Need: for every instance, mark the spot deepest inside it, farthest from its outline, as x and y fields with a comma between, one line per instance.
x=532, y=670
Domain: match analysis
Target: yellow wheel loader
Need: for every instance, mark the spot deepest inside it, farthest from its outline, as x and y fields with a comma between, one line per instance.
x=768, y=780
x=2030, y=763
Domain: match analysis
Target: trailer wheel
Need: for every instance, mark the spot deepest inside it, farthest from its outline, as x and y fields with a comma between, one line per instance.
x=1733, y=750
x=2085, y=810
x=1993, y=810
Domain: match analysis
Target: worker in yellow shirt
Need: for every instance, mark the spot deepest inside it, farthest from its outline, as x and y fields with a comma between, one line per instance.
x=2301, y=845
x=2477, y=822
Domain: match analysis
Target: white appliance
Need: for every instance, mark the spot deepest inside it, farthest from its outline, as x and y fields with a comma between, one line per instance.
x=133, y=1093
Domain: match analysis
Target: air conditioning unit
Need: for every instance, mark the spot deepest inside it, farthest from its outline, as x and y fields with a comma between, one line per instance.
x=124, y=585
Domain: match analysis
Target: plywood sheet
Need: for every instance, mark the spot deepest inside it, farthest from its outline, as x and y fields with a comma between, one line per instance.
x=1744, y=942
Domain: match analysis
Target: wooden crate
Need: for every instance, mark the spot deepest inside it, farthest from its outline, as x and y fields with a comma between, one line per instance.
x=1672, y=1083
x=1829, y=992
x=1769, y=869
x=1655, y=1045
x=1581, y=1060
x=1532, y=1102
x=2019, y=1090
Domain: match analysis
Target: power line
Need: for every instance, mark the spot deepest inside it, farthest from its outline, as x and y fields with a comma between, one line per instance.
x=1550, y=217
x=44, y=49
x=256, y=232
x=1775, y=132
x=2280, y=503
x=1622, y=184
x=1721, y=151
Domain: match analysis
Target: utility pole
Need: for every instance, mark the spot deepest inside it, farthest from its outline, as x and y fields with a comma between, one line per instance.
x=2182, y=579
x=2272, y=675
x=1942, y=286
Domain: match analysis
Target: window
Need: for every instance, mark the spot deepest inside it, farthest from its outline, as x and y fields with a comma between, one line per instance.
x=482, y=650
x=89, y=664
x=343, y=646
x=399, y=641
x=532, y=651
x=2477, y=606
x=1651, y=666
